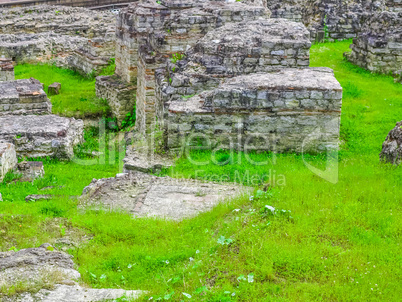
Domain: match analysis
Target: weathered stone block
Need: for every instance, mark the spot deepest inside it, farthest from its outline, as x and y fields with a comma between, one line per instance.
x=6, y=70
x=54, y=89
x=239, y=113
x=377, y=47
x=42, y=135
x=8, y=158
x=23, y=97
x=30, y=170
x=392, y=147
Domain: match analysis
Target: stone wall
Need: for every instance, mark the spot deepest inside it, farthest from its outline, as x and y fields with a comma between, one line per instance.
x=75, y=38
x=82, y=3
x=42, y=135
x=120, y=95
x=378, y=47
x=21, y=97
x=6, y=70
x=331, y=19
x=262, y=111
x=220, y=69
x=248, y=85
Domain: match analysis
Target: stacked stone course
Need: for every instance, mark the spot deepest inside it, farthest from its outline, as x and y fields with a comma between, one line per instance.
x=223, y=69
x=252, y=89
x=149, y=33
x=23, y=97
x=378, y=47
x=75, y=38
x=331, y=19
x=42, y=135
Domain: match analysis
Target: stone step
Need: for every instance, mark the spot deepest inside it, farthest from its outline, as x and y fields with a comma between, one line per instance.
x=23, y=97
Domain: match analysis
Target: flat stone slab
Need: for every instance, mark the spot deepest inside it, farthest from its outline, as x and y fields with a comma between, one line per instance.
x=8, y=158
x=42, y=135
x=76, y=293
x=146, y=195
x=139, y=160
x=51, y=269
x=23, y=97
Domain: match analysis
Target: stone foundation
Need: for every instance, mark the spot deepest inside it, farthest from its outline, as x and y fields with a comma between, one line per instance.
x=21, y=97
x=74, y=38
x=42, y=135
x=378, y=47
x=8, y=158
x=331, y=19
x=149, y=33
x=6, y=70
x=119, y=95
x=263, y=111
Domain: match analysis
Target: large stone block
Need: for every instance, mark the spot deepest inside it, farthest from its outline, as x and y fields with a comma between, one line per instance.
x=392, y=146
x=21, y=97
x=8, y=158
x=42, y=135
x=290, y=110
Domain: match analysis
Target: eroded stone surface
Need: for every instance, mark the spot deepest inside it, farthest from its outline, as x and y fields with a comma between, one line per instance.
x=378, y=46
x=34, y=264
x=75, y=293
x=146, y=195
x=277, y=111
x=142, y=157
x=8, y=158
x=30, y=170
x=120, y=95
x=46, y=267
x=44, y=135
x=392, y=147
x=6, y=69
x=76, y=38
x=23, y=97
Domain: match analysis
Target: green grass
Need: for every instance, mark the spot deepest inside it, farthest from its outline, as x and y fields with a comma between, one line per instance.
x=340, y=242
x=77, y=97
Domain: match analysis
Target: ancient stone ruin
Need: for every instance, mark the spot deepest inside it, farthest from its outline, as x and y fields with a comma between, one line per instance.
x=378, y=46
x=224, y=70
x=145, y=195
x=70, y=37
x=331, y=19
x=392, y=147
x=23, y=97
x=42, y=135
x=55, y=272
x=6, y=69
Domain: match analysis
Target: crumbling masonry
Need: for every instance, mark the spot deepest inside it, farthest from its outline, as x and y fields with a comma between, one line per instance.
x=70, y=37
x=243, y=80
x=378, y=47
